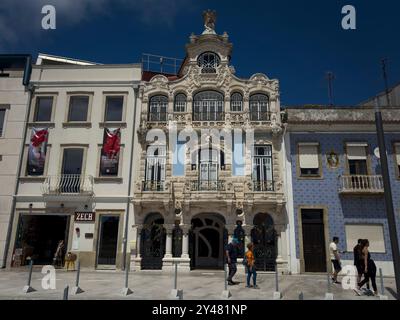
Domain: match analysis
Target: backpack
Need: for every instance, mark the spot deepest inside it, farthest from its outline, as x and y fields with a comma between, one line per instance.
x=245, y=262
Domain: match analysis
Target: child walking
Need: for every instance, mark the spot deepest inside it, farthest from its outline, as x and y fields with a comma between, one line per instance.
x=250, y=267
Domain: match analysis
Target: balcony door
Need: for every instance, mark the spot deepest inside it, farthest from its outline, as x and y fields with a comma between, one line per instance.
x=155, y=168
x=71, y=170
x=208, y=174
x=262, y=168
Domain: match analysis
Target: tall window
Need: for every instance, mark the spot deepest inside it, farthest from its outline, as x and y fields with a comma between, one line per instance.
x=208, y=62
x=259, y=107
x=78, y=108
x=158, y=108
x=208, y=106
x=309, y=159
x=43, y=109
x=236, y=102
x=2, y=118
x=155, y=168
x=114, y=108
x=180, y=103
x=262, y=168
x=357, y=158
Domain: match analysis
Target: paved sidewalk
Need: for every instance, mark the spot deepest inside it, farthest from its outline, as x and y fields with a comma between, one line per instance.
x=155, y=285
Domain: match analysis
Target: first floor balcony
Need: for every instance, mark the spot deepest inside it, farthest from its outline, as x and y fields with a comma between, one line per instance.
x=153, y=185
x=207, y=185
x=68, y=184
x=361, y=184
x=262, y=186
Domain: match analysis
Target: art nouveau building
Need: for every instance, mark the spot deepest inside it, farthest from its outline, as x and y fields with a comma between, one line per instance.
x=74, y=182
x=210, y=165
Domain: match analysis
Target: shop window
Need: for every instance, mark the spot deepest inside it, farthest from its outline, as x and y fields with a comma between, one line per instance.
x=374, y=234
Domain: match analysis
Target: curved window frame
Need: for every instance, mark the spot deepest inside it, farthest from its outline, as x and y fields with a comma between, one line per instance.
x=158, y=106
x=208, y=62
x=208, y=105
x=180, y=102
x=236, y=102
x=259, y=107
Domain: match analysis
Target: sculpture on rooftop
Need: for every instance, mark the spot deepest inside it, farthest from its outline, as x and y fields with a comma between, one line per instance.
x=210, y=18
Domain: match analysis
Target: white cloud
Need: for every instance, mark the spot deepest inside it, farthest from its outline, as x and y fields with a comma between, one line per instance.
x=20, y=20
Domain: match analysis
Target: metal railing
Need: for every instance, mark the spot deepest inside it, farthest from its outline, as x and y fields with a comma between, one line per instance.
x=216, y=185
x=150, y=185
x=260, y=116
x=361, y=184
x=209, y=116
x=68, y=183
x=162, y=64
x=263, y=185
x=158, y=117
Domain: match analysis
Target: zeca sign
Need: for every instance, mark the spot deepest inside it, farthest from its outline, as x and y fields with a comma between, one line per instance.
x=84, y=216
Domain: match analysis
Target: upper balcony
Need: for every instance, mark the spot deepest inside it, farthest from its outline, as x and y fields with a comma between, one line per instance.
x=361, y=184
x=68, y=185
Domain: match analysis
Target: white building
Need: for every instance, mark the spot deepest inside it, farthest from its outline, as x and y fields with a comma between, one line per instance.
x=14, y=101
x=75, y=178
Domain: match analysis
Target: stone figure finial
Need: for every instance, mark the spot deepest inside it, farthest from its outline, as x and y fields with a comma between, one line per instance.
x=210, y=18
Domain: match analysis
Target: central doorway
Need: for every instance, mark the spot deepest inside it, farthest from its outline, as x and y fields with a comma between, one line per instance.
x=153, y=238
x=208, y=239
x=108, y=235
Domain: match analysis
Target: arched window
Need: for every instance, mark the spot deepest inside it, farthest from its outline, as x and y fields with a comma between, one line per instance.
x=208, y=106
x=158, y=108
x=208, y=62
x=180, y=103
x=236, y=102
x=259, y=107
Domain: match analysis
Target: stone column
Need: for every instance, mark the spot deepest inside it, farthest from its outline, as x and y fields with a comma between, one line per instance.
x=247, y=238
x=168, y=243
x=231, y=228
x=279, y=246
x=185, y=241
x=139, y=230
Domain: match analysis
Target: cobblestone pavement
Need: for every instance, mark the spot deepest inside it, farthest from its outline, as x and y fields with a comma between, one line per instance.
x=156, y=285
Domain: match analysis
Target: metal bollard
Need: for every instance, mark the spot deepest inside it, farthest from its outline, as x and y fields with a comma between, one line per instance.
x=382, y=286
x=65, y=295
x=28, y=287
x=176, y=276
x=126, y=277
x=276, y=280
x=328, y=283
x=126, y=291
x=226, y=276
x=77, y=274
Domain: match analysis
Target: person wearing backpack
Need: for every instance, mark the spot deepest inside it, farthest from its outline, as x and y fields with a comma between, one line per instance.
x=248, y=261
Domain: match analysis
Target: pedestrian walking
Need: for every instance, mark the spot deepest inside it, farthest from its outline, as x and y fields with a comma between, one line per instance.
x=335, y=258
x=357, y=260
x=249, y=262
x=369, y=268
x=231, y=252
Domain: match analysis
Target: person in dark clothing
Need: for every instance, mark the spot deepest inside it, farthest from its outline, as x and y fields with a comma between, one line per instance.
x=369, y=267
x=357, y=258
x=231, y=252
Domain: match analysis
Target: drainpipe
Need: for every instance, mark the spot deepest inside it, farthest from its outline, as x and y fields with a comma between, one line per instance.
x=31, y=89
x=125, y=240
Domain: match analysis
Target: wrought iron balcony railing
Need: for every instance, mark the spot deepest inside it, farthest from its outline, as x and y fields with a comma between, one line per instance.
x=209, y=116
x=68, y=184
x=263, y=185
x=216, y=185
x=153, y=186
x=361, y=184
x=260, y=116
x=158, y=117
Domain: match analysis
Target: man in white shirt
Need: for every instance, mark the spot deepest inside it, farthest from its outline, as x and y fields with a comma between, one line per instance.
x=335, y=258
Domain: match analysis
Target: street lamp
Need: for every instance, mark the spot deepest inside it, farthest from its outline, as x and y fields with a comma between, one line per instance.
x=388, y=196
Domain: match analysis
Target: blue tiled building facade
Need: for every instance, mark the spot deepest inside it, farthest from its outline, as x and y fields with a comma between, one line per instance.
x=325, y=190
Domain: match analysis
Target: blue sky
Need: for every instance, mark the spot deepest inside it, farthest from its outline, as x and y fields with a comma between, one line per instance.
x=294, y=41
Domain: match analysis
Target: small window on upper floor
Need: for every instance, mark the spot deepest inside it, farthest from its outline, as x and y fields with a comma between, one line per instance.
x=208, y=62
x=43, y=109
x=357, y=158
x=180, y=103
x=309, y=159
x=2, y=118
x=236, y=102
x=78, y=108
x=114, y=108
x=158, y=107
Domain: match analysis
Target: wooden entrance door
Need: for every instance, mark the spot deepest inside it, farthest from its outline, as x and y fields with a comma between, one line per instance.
x=313, y=240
